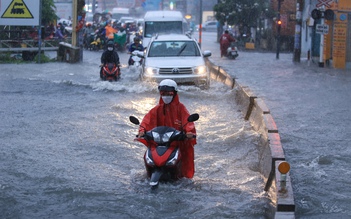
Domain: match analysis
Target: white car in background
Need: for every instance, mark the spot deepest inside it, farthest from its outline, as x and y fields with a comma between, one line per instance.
x=177, y=57
x=208, y=26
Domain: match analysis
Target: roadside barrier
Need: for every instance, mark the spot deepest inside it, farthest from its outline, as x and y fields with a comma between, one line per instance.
x=271, y=154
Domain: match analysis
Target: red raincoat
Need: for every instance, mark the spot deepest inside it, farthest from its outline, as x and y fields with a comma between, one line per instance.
x=174, y=115
x=225, y=41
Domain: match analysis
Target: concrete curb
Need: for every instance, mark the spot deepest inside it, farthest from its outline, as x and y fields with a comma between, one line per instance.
x=271, y=152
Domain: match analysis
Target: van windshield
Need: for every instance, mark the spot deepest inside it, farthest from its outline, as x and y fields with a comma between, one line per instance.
x=163, y=27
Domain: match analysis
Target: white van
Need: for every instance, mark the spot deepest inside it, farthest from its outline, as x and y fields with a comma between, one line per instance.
x=163, y=22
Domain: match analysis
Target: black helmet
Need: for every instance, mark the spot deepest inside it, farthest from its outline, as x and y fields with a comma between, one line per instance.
x=110, y=45
x=136, y=39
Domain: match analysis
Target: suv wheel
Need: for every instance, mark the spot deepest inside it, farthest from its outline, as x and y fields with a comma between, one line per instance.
x=205, y=85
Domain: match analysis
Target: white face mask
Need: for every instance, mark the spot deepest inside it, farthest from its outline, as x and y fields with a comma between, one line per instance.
x=110, y=48
x=167, y=99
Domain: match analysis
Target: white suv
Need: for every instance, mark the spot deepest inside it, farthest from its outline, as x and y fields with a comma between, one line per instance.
x=176, y=57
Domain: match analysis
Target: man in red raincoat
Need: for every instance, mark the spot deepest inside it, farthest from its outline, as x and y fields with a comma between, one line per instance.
x=171, y=112
x=225, y=41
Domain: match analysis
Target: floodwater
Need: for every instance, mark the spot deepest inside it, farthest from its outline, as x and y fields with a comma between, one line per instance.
x=311, y=107
x=67, y=148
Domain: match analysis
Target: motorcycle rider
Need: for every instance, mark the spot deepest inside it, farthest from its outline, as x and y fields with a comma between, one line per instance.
x=59, y=34
x=225, y=41
x=109, y=31
x=171, y=112
x=134, y=46
x=88, y=38
x=109, y=56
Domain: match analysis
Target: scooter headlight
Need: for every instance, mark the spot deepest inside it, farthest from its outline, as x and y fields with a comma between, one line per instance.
x=156, y=136
x=148, y=159
x=160, y=139
x=173, y=161
x=167, y=136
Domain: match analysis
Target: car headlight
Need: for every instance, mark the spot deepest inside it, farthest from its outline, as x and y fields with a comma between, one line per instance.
x=200, y=70
x=151, y=71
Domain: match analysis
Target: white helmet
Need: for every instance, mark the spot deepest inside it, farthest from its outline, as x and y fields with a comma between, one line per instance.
x=168, y=85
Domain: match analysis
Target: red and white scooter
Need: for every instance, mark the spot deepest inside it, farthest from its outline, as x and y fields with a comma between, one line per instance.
x=162, y=157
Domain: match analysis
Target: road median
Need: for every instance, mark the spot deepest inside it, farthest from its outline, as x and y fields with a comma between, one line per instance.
x=271, y=152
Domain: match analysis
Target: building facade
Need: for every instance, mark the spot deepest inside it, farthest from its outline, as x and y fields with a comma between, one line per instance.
x=336, y=39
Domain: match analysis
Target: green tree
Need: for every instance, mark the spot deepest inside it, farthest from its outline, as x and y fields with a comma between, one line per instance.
x=244, y=13
x=48, y=12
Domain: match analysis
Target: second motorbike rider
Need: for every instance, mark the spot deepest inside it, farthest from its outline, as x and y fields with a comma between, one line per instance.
x=109, y=56
x=171, y=112
x=134, y=46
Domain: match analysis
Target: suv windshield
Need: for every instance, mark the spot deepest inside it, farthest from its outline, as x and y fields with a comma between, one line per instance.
x=173, y=48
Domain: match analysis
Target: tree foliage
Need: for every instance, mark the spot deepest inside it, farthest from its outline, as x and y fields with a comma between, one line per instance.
x=242, y=12
x=48, y=12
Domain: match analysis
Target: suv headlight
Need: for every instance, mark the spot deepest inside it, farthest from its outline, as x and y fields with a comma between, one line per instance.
x=200, y=70
x=151, y=71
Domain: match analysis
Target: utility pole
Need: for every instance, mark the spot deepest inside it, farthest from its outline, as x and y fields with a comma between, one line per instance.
x=40, y=31
x=200, y=25
x=93, y=7
x=74, y=22
x=297, y=42
x=279, y=23
x=321, y=47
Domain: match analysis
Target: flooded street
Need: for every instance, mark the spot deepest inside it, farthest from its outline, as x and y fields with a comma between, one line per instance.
x=68, y=149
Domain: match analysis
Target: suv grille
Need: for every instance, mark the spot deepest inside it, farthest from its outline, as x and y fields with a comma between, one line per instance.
x=175, y=71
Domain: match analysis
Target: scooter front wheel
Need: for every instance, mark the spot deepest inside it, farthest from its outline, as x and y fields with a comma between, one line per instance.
x=155, y=177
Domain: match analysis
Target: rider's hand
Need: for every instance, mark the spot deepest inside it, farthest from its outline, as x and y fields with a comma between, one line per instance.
x=141, y=134
x=189, y=135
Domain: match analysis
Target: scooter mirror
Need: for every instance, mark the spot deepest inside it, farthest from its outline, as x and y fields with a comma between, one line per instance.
x=134, y=120
x=193, y=117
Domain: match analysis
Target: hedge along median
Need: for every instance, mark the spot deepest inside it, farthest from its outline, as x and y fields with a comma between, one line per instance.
x=271, y=153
